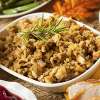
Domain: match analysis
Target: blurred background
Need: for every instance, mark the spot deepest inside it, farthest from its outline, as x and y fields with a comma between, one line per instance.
x=78, y=9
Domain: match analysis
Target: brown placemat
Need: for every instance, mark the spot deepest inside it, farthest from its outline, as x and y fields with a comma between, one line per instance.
x=42, y=95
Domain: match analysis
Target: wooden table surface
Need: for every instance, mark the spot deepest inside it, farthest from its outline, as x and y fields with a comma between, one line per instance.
x=41, y=94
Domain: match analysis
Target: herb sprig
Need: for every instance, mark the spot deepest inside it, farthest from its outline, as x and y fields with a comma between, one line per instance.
x=44, y=29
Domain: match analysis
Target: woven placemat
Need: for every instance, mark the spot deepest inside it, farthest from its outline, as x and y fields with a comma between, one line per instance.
x=41, y=95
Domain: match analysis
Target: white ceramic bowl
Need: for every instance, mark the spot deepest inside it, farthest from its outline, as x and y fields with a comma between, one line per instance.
x=18, y=90
x=56, y=87
x=25, y=12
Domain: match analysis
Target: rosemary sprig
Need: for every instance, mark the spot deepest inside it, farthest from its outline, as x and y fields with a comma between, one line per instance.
x=43, y=30
x=25, y=36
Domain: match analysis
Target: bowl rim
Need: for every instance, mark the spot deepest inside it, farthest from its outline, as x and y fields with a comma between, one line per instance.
x=14, y=88
x=35, y=82
x=25, y=12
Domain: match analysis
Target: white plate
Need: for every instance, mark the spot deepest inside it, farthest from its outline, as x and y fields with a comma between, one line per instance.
x=56, y=87
x=18, y=90
x=25, y=12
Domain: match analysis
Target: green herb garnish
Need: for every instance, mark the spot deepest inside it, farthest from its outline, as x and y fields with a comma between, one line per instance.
x=43, y=30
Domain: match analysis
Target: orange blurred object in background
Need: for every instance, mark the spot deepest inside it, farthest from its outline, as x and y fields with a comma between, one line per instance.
x=78, y=9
